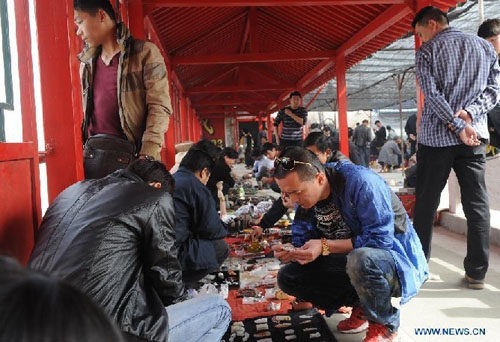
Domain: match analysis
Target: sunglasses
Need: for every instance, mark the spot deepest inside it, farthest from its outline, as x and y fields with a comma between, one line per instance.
x=288, y=163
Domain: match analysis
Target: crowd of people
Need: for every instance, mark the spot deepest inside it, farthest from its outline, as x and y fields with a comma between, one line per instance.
x=116, y=253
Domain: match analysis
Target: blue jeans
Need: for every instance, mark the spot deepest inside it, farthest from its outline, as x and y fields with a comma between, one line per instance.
x=204, y=318
x=373, y=274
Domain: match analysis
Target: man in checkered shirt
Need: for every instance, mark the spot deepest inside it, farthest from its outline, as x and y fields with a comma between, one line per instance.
x=459, y=76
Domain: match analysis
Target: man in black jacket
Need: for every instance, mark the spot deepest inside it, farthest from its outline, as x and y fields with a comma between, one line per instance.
x=222, y=172
x=490, y=30
x=380, y=139
x=114, y=239
x=199, y=232
x=362, y=138
x=411, y=132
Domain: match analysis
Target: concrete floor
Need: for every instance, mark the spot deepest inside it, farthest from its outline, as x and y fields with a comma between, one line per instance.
x=448, y=303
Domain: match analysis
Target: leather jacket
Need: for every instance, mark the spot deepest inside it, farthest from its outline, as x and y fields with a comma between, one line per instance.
x=114, y=239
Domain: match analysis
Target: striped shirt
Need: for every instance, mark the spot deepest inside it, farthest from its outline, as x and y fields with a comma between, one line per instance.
x=292, y=130
x=455, y=71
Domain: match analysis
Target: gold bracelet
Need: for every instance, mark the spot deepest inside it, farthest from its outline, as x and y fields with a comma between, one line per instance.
x=325, y=250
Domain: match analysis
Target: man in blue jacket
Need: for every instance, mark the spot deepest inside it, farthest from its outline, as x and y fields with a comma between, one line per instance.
x=382, y=257
x=199, y=232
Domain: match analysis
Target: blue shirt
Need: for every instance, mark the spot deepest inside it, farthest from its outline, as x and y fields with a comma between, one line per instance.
x=455, y=71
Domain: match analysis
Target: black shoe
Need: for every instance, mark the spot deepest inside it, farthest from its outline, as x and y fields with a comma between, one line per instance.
x=474, y=283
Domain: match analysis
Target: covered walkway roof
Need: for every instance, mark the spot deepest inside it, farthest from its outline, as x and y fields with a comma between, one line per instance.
x=372, y=84
x=239, y=57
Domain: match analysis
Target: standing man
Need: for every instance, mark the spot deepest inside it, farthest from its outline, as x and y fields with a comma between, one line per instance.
x=362, y=137
x=459, y=76
x=379, y=140
x=411, y=132
x=125, y=92
x=262, y=135
x=490, y=30
x=294, y=118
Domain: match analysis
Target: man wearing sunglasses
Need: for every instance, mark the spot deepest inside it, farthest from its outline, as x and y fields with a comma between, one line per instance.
x=383, y=258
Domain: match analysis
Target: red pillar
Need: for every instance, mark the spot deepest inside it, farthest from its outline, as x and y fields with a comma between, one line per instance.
x=136, y=18
x=168, y=152
x=420, y=95
x=419, y=4
x=192, y=123
x=184, y=119
x=342, y=103
x=197, y=127
x=61, y=81
x=124, y=11
x=236, y=135
x=189, y=121
x=269, y=128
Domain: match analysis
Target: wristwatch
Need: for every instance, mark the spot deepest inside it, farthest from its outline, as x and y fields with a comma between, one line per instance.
x=325, y=250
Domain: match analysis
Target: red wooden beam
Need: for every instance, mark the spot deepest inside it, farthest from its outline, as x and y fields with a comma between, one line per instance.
x=320, y=69
x=261, y=3
x=445, y=4
x=230, y=102
x=153, y=36
x=246, y=33
x=238, y=88
x=203, y=112
x=124, y=12
x=222, y=115
x=61, y=81
x=136, y=18
x=210, y=32
x=218, y=75
x=269, y=128
x=254, y=30
x=419, y=4
x=16, y=151
x=26, y=83
x=384, y=21
x=263, y=57
x=168, y=147
x=342, y=104
x=260, y=72
x=316, y=95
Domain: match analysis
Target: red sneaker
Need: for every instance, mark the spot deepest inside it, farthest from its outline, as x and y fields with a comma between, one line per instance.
x=380, y=333
x=355, y=323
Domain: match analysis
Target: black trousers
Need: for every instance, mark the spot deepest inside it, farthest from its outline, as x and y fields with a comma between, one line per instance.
x=221, y=253
x=433, y=168
x=323, y=282
x=413, y=147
